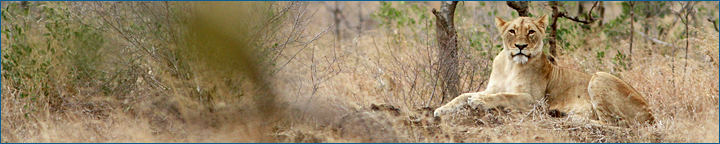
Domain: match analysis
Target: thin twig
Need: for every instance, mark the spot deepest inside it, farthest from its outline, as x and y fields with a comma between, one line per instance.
x=657, y=40
x=715, y=25
x=298, y=52
x=136, y=42
x=306, y=44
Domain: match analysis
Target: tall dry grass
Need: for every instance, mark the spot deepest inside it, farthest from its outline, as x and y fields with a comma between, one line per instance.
x=377, y=84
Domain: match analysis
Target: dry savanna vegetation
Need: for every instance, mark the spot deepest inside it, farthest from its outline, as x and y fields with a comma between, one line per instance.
x=333, y=71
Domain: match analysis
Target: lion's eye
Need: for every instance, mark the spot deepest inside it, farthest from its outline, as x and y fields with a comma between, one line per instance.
x=512, y=31
x=531, y=32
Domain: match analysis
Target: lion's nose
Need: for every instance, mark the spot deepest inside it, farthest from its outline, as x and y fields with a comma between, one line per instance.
x=521, y=46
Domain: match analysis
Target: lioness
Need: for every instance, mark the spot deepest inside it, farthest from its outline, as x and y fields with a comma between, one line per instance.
x=521, y=75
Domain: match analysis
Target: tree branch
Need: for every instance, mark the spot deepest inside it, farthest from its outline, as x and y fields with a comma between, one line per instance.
x=520, y=6
x=576, y=19
x=589, y=13
x=594, y=5
x=714, y=22
x=564, y=14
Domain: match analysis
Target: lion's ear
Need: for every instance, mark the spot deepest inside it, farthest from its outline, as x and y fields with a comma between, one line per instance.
x=542, y=21
x=499, y=23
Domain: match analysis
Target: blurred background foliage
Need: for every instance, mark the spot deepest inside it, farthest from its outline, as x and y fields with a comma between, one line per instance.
x=269, y=71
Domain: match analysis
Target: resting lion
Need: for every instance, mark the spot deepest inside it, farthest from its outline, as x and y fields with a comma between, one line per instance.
x=521, y=75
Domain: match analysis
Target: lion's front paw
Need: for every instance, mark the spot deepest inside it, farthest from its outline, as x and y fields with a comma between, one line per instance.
x=476, y=102
x=443, y=111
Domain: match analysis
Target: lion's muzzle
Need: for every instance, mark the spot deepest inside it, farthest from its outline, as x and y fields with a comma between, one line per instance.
x=520, y=57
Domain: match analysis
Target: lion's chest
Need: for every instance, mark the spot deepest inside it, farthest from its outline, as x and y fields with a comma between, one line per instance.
x=512, y=82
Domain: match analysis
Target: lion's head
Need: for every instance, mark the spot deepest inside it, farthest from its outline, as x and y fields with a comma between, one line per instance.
x=523, y=37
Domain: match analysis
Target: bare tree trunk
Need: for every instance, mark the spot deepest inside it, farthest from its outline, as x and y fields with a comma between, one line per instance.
x=336, y=14
x=360, y=23
x=553, y=28
x=585, y=15
x=688, y=10
x=581, y=9
x=25, y=5
x=601, y=9
x=447, y=44
x=521, y=7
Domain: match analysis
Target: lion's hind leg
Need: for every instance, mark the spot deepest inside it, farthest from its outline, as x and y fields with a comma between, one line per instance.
x=614, y=101
x=455, y=104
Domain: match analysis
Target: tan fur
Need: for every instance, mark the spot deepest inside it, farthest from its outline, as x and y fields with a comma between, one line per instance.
x=520, y=78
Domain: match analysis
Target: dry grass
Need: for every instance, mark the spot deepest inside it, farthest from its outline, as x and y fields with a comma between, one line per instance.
x=378, y=85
